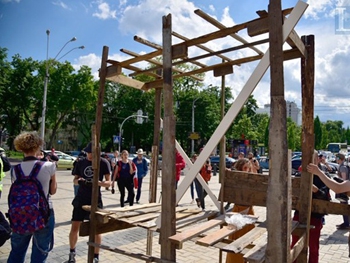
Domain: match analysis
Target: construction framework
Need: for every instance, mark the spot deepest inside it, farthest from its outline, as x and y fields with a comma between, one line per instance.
x=280, y=25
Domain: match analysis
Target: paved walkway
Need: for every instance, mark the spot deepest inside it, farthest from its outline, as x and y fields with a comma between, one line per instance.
x=333, y=243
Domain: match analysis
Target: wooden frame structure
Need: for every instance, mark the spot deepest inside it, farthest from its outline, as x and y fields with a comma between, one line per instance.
x=280, y=25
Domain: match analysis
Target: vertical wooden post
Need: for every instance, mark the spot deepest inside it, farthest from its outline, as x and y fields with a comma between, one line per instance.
x=307, y=138
x=168, y=169
x=279, y=186
x=222, y=166
x=96, y=131
x=155, y=147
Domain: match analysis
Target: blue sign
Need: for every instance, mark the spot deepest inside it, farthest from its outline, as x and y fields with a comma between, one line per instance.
x=115, y=139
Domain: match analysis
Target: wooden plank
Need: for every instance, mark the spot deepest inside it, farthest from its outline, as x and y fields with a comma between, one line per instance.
x=257, y=253
x=216, y=23
x=239, y=244
x=155, y=62
x=200, y=46
x=179, y=238
x=140, y=218
x=216, y=236
x=179, y=51
x=112, y=76
x=222, y=71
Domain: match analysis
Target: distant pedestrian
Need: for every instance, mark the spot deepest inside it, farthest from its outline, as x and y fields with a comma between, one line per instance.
x=5, y=166
x=192, y=185
x=205, y=172
x=30, y=143
x=84, y=174
x=124, y=173
x=179, y=165
x=142, y=170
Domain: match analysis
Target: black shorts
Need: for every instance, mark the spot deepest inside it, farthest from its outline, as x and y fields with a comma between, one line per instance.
x=79, y=214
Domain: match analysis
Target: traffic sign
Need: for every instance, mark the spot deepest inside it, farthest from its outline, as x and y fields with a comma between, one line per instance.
x=115, y=139
x=194, y=136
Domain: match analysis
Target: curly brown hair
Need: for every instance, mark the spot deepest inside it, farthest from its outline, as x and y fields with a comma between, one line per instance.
x=28, y=142
x=240, y=163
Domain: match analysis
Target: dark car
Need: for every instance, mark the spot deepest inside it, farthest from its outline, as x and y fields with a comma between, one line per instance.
x=295, y=165
x=214, y=160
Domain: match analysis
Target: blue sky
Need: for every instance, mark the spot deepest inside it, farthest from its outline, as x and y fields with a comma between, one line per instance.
x=23, y=25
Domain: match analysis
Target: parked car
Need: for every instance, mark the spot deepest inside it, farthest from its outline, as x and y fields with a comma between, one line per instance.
x=65, y=161
x=264, y=163
x=214, y=160
x=73, y=153
x=296, y=162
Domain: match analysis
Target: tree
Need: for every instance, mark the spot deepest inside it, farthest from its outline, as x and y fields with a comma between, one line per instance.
x=318, y=133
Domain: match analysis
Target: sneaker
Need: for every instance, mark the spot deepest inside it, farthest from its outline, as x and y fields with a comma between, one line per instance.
x=137, y=202
x=198, y=202
x=96, y=260
x=227, y=206
x=192, y=202
x=71, y=258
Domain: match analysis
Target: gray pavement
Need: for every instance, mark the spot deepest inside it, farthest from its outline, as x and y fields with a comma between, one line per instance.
x=333, y=242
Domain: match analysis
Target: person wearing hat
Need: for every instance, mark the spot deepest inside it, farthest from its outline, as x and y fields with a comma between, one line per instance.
x=142, y=170
x=83, y=173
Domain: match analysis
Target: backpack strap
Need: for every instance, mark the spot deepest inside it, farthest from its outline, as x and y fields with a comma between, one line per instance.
x=34, y=173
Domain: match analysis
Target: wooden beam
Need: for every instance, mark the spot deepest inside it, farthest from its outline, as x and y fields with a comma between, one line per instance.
x=200, y=46
x=216, y=23
x=168, y=171
x=308, y=138
x=278, y=200
x=113, y=76
x=261, y=27
x=155, y=62
x=156, y=46
x=222, y=71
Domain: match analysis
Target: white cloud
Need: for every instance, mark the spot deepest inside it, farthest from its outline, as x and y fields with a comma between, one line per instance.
x=105, y=12
x=61, y=4
x=319, y=8
x=9, y=1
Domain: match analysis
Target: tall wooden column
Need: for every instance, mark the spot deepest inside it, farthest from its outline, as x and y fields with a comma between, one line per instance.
x=279, y=186
x=307, y=138
x=96, y=132
x=155, y=147
x=168, y=167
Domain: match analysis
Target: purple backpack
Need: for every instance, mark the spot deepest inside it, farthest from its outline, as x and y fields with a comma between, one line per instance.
x=28, y=206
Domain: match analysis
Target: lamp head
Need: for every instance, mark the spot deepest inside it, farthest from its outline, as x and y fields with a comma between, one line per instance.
x=81, y=47
x=47, y=32
x=73, y=39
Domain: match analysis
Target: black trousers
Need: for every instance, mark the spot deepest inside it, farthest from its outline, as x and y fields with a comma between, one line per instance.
x=126, y=182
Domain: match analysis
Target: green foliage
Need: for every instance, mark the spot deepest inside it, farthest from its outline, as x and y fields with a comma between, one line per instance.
x=71, y=107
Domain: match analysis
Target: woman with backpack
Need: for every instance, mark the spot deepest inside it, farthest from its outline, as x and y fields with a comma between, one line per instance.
x=34, y=218
x=124, y=174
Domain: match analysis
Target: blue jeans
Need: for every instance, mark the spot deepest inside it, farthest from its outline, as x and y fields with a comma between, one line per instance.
x=192, y=190
x=42, y=244
x=200, y=192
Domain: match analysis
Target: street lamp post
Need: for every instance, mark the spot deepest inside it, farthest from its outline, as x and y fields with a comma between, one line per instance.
x=121, y=126
x=43, y=116
x=192, y=141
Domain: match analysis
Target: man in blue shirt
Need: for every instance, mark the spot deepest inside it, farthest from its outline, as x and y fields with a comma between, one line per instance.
x=142, y=169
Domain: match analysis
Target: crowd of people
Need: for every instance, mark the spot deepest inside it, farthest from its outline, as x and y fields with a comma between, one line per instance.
x=40, y=168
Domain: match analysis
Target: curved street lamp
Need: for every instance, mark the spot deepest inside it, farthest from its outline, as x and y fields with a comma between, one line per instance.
x=43, y=116
x=121, y=126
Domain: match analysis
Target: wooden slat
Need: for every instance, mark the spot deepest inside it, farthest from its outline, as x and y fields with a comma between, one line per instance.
x=257, y=253
x=216, y=236
x=140, y=218
x=238, y=245
x=179, y=238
